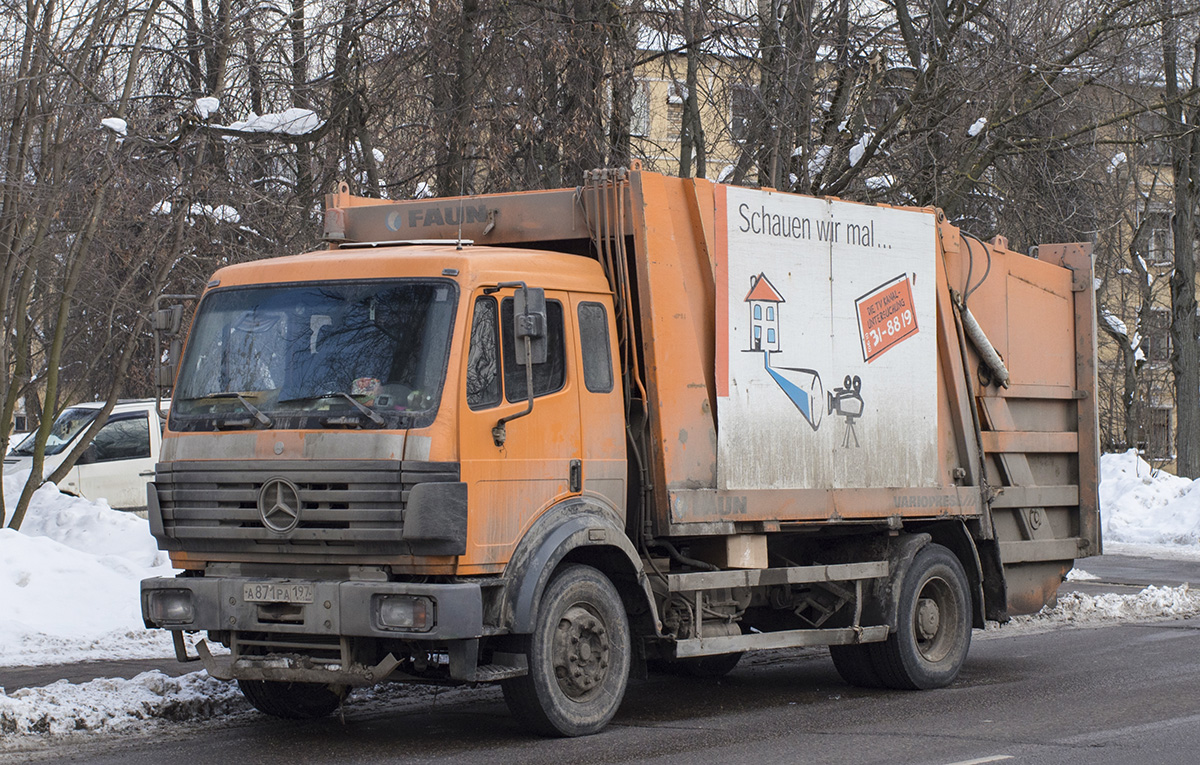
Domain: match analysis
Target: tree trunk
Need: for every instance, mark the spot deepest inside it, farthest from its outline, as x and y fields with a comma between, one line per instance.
x=1185, y=352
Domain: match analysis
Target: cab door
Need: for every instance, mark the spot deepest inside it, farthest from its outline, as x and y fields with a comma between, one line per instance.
x=601, y=402
x=537, y=461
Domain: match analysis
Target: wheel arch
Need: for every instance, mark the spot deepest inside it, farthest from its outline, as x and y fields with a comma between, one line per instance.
x=954, y=536
x=882, y=603
x=577, y=531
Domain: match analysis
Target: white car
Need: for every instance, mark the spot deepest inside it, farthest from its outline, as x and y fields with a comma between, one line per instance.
x=118, y=463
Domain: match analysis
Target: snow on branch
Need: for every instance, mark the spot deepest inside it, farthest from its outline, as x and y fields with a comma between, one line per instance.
x=116, y=125
x=288, y=122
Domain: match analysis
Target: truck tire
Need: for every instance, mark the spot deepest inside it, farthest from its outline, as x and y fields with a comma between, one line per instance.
x=292, y=701
x=578, y=654
x=856, y=665
x=933, y=624
x=717, y=665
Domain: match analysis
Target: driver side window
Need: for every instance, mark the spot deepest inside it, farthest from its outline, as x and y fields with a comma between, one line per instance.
x=492, y=360
x=483, y=360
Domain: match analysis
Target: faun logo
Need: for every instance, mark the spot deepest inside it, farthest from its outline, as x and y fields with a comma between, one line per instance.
x=425, y=216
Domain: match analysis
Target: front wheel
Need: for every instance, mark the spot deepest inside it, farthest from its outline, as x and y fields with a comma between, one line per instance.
x=933, y=625
x=293, y=701
x=578, y=656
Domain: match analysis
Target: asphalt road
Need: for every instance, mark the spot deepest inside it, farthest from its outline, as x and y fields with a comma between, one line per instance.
x=1115, y=694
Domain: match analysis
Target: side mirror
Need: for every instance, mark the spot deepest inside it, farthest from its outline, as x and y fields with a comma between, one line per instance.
x=530, y=342
x=529, y=321
x=167, y=323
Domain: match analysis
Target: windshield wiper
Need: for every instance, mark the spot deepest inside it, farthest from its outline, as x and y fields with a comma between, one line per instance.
x=367, y=411
x=263, y=419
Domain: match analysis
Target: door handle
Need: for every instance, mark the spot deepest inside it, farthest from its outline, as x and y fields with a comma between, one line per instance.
x=575, y=478
x=145, y=473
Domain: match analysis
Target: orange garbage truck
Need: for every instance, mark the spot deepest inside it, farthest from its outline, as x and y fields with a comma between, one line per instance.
x=547, y=439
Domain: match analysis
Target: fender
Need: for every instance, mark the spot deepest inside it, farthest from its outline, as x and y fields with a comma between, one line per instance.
x=882, y=603
x=577, y=523
x=957, y=538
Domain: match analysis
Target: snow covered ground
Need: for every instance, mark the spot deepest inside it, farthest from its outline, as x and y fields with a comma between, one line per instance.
x=69, y=589
x=69, y=581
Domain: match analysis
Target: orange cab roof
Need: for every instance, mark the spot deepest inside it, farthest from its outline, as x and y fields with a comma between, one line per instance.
x=473, y=264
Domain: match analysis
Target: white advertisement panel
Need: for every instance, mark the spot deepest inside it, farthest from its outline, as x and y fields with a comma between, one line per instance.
x=826, y=344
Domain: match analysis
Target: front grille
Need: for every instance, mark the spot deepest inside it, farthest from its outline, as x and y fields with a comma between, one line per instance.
x=345, y=505
x=317, y=650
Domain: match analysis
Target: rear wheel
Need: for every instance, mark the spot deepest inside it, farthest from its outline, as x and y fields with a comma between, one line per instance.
x=933, y=625
x=578, y=657
x=293, y=701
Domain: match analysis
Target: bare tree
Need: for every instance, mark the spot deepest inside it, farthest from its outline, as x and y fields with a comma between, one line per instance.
x=1183, y=117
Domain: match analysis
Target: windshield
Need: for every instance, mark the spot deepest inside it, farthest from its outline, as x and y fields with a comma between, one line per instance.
x=68, y=425
x=334, y=354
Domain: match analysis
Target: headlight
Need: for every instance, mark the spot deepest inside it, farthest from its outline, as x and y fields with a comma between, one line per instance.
x=404, y=612
x=170, y=606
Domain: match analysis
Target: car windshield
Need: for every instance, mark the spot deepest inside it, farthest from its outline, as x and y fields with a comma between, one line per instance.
x=340, y=354
x=68, y=425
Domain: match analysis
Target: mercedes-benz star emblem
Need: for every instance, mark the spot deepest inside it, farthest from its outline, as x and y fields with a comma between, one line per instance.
x=279, y=505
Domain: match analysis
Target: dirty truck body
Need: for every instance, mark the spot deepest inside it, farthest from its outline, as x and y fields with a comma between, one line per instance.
x=758, y=420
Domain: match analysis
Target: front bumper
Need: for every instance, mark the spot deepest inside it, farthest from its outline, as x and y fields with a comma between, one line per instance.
x=301, y=631
x=342, y=609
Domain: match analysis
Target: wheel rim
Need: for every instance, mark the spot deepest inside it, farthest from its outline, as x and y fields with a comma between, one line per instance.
x=935, y=620
x=581, y=652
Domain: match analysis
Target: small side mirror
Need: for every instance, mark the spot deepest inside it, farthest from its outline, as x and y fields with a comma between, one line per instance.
x=167, y=320
x=170, y=364
x=529, y=320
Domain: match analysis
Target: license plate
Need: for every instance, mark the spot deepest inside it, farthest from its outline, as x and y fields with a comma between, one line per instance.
x=277, y=592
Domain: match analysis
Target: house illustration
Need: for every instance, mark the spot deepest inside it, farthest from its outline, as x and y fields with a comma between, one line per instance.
x=764, y=302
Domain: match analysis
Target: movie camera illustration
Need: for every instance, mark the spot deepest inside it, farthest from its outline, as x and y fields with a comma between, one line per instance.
x=847, y=403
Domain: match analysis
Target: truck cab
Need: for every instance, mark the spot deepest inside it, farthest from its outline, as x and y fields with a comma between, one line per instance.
x=409, y=366
x=343, y=425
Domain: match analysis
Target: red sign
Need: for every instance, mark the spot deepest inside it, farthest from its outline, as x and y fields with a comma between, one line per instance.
x=886, y=316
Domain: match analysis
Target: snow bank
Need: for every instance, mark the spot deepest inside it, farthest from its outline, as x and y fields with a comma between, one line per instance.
x=115, y=704
x=34, y=717
x=69, y=582
x=1180, y=602
x=1077, y=609
x=1139, y=505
